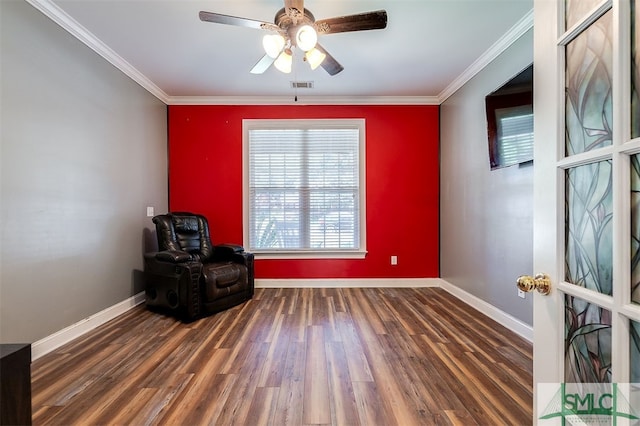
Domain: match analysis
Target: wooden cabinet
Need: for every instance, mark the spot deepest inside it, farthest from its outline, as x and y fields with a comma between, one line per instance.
x=15, y=381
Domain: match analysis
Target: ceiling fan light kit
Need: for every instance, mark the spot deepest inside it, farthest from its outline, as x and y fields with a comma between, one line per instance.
x=284, y=61
x=296, y=26
x=306, y=38
x=314, y=57
x=273, y=44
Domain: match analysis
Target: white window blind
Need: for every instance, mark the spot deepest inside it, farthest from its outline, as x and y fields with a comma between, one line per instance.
x=303, y=186
x=515, y=134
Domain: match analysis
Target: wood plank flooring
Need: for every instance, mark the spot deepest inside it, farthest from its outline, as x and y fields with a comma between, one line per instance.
x=374, y=356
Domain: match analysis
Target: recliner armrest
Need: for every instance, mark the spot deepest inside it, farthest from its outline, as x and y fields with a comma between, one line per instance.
x=232, y=248
x=228, y=252
x=173, y=256
x=232, y=253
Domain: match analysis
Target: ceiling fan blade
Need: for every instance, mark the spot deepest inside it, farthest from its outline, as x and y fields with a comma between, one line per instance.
x=262, y=65
x=219, y=18
x=363, y=21
x=329, y=64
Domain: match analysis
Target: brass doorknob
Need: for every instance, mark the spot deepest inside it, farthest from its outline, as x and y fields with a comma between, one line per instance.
x=540, y=282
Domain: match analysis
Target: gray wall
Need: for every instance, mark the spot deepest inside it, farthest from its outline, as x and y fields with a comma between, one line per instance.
x=83, y=152
x=486, y=216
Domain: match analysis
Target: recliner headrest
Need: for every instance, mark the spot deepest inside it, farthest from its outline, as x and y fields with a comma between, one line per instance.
x=185, y=224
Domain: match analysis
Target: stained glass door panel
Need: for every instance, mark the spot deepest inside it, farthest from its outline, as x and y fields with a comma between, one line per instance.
x=634, y=352
x=635, y=68
x=634, y=363
x=576, y=10
x=635, y=228
x=588, y=227
x=589, y=68
x=588, y=342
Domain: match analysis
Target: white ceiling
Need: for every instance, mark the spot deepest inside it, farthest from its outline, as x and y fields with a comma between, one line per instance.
x=429, y=48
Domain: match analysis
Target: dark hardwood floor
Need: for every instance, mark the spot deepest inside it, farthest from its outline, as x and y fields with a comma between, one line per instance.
x=376, y=356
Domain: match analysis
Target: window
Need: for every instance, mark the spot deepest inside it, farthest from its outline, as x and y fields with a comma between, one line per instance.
x=304, y=188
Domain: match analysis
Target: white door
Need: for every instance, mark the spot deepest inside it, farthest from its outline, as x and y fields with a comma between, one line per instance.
x=587, y=210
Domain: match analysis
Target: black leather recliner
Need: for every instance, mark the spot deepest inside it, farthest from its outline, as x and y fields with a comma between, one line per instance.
x=190, y=277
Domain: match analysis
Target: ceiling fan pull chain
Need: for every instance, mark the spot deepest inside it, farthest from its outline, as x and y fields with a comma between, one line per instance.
x=295, y=80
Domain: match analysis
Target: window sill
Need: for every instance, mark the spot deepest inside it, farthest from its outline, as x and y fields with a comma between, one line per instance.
x=311, y=254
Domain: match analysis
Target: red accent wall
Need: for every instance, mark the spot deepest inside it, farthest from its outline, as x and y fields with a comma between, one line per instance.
x=402, y=172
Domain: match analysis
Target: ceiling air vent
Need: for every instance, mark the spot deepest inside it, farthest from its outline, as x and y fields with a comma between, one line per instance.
x=302, y=84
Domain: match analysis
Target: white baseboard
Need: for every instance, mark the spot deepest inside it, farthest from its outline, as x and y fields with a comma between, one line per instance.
x=55, y=340
x=520, y=328
x=347, y=282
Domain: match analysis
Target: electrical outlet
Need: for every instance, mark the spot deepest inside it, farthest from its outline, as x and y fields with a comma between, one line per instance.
x=150, y=212
x=521, y=294
x=394, y=260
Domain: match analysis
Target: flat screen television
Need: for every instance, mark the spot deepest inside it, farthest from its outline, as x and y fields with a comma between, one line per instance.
x=509, y=112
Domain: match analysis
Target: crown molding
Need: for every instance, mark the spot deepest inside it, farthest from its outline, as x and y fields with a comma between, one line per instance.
x=303, y=100
x=57, y=15
x=60, y=17
x=510, y=37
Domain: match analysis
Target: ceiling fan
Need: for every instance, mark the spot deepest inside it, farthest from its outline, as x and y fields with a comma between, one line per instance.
x=295, y=26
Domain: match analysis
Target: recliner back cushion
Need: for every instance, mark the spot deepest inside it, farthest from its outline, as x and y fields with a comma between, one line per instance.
x=192, y=235
x=187, y=235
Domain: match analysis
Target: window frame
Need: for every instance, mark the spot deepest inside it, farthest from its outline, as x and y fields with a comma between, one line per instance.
x=332, y=253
